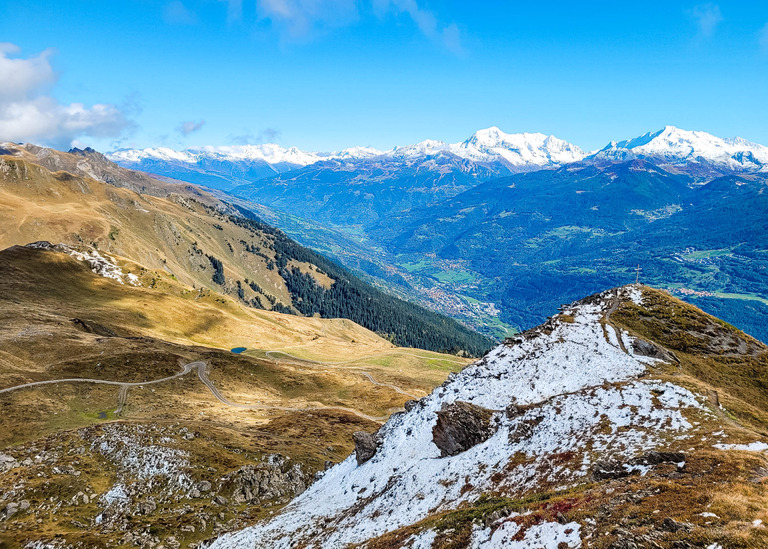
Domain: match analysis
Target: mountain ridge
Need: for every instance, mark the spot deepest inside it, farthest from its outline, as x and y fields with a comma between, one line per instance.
x=204, y=243
x=555, y=426
x=519, y=151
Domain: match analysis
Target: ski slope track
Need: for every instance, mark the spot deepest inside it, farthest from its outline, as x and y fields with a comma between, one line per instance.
x=573, y=380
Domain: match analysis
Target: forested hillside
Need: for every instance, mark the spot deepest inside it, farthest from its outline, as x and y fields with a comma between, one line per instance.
x=201, y=242
x=343, y=295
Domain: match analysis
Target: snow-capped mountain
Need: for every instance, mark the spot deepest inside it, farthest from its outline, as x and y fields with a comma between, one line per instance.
x=689, y=151
x=487, y=145
x=520, y=149
x=571, y=402
x=488, y=153
x=524, y=150
x=241, y=164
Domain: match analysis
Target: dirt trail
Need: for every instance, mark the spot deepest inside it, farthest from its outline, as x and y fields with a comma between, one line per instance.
x=200, y=366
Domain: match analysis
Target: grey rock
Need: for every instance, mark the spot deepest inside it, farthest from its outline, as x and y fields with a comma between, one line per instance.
x=646, y=348
x=7, y=463
x=146, y=507
x=11, y=509
x=366, y=445
x=460, y=426
x=671, y=525
x=654, y=458
x=253, y=483
x=605, y=470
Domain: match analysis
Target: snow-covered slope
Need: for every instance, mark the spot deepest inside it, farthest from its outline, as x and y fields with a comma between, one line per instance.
x=694, y=151
x=691, y=149
x=520, y=149
x=489, y=145
x=572, y=387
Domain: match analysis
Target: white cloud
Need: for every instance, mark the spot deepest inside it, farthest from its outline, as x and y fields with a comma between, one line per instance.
x=763, y=38
x=176, y=13
x=301, y=20
x=186, y=128
x=29, y=113
x=707, y=17
x=447, y=36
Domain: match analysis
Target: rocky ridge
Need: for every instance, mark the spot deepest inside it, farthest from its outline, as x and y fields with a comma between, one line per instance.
x=573, y=402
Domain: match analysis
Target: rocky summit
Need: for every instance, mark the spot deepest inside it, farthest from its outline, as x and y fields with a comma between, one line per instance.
x=629, y=419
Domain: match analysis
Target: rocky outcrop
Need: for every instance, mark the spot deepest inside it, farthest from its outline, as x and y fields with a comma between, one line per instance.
x=254, y=483
x=7, y=463
x=460, y=426
x=365, y=446
x=642, y=347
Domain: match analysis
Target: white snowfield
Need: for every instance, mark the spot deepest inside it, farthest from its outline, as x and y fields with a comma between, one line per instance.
x=489, y=145
x=678, y=146
x=576, y=383
x=520, y=150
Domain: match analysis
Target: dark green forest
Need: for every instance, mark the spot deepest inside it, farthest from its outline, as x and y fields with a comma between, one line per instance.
x=403, y=323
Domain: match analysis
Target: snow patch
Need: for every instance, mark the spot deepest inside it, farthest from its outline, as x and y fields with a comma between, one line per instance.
x=422, y=540
x=545, y=535
x=553, y=389
x=98, y=263
x=751, y=447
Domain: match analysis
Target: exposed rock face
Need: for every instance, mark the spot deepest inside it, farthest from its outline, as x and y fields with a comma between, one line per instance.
x=460, y=426
x=646, y=348
x=365, y=446
x=255, y=483
x=654, y=458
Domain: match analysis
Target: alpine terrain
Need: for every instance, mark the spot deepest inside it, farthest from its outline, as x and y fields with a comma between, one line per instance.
x=628, y=419
x=172, y=368
x=499, y=229
x=383, y=274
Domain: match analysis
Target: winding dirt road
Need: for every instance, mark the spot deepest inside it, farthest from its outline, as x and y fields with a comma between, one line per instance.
x=200, y=366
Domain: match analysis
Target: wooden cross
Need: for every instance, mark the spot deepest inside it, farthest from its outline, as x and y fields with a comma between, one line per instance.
x=637, y=276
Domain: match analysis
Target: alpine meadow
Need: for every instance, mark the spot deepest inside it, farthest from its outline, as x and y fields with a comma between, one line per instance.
x=383, y=274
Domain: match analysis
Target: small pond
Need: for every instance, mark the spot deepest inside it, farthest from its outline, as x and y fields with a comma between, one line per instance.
x=238, y=350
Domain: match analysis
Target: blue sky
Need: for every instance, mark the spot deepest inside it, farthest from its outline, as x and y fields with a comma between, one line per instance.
x=324, y=75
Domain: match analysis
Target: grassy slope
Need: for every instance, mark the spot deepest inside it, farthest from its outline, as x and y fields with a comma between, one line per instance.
x=715, y=359
x=185, y=238
x=156, y=330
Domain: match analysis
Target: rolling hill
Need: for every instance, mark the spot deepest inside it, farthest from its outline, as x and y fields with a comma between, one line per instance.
x=127, y=420
x=201, y=242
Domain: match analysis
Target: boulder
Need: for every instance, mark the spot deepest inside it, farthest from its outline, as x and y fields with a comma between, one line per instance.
x=654, y=458
x=606, y=470
x=7, y=463
x=366, y=445
x=460, y=426
x=253, y=483
x=642, y=347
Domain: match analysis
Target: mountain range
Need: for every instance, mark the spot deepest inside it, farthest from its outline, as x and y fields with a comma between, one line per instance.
x=499, y=228
x=687, y=151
